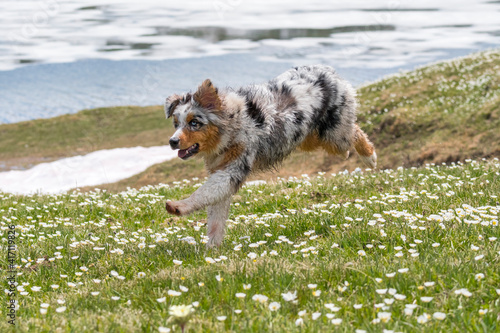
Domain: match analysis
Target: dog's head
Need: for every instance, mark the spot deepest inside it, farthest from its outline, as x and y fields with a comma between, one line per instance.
x=196, y=119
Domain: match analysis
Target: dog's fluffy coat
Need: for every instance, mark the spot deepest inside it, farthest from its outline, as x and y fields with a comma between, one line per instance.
x=255, y=127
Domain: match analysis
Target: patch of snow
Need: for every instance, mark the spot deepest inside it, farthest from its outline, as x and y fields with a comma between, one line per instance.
x=99, y=167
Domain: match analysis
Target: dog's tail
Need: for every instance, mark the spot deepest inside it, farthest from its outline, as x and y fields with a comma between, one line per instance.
x=365, y=148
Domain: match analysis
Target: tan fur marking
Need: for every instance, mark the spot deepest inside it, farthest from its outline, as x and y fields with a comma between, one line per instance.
x=231, y=154
x=362, y=145
x=208, y=138
x=189, y=117
x=207, y=96
x=313, y=142
x=310, y=143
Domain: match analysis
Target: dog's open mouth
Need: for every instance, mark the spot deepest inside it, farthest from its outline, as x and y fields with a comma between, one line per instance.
x=187, y=153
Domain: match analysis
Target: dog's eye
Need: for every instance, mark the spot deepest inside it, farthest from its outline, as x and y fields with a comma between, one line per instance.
x=194, y=123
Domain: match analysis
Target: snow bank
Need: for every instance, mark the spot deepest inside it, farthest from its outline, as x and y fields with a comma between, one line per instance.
x=99, y=167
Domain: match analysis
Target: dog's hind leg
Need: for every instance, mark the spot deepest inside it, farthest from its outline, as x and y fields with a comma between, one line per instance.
x=217, y=217
x=365, y=148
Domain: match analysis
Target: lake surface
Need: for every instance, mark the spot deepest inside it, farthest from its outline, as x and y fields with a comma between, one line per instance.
x=60, y=56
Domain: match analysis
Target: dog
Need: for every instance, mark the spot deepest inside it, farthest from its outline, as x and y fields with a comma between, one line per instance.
x=255, y=127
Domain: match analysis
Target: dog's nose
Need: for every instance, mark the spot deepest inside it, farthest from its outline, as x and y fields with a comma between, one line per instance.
x=174, y=143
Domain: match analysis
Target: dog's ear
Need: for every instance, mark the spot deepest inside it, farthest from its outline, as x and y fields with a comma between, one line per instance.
x=170, y=105
x=207, y=96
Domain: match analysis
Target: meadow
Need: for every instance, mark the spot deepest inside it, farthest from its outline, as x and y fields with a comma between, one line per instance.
x=403, y=250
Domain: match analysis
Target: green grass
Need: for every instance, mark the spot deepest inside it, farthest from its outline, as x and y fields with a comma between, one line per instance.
x=434, y=217
x=31, y=142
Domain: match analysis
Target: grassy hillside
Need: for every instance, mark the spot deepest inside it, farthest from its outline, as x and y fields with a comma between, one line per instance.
x=405, y=250
x=31, y=142
x=440, y=113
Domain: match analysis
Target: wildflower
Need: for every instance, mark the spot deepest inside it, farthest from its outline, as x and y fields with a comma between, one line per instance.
x=358, y=306
x=247, y=286
x=312, y=286
x=482, y=312
x=316, y=293
x=299, y=322
x=94, y=293
x=362, y=253
x=54, y=286
x=162, y=329
x=209, y=260
x=173, y=293
x=316, y=315
x=429, y=284
x=34, y=288
x=426, y=299
x=259, y=298
x=384, y=316
x=221, y=318
x=439, y=315
x=479, y=257
x=177, y=262
x=336, y=321
x=479, y=277
x=141, y=275
x=274, y=306
x=180, y=314
x=241, y=295
x=423, y=318
x=289, y=296
x=219, y=278
x=115, y=298
x=61, y=309
x=252, y=255
x=463, y=292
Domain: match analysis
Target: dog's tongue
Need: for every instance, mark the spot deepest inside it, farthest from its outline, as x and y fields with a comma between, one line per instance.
x=182, y=153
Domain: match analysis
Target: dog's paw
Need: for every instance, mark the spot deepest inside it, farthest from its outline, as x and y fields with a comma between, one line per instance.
x=178, y=208
x=370, y=161
x=214, y=243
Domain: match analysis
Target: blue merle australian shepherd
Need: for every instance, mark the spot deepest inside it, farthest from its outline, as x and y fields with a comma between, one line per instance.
x=254, y=128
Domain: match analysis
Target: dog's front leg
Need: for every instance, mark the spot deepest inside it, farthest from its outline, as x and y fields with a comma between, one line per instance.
x=216, y=221
x=219, y=186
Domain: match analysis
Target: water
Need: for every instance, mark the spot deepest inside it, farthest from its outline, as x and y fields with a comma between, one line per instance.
x=60, y=56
